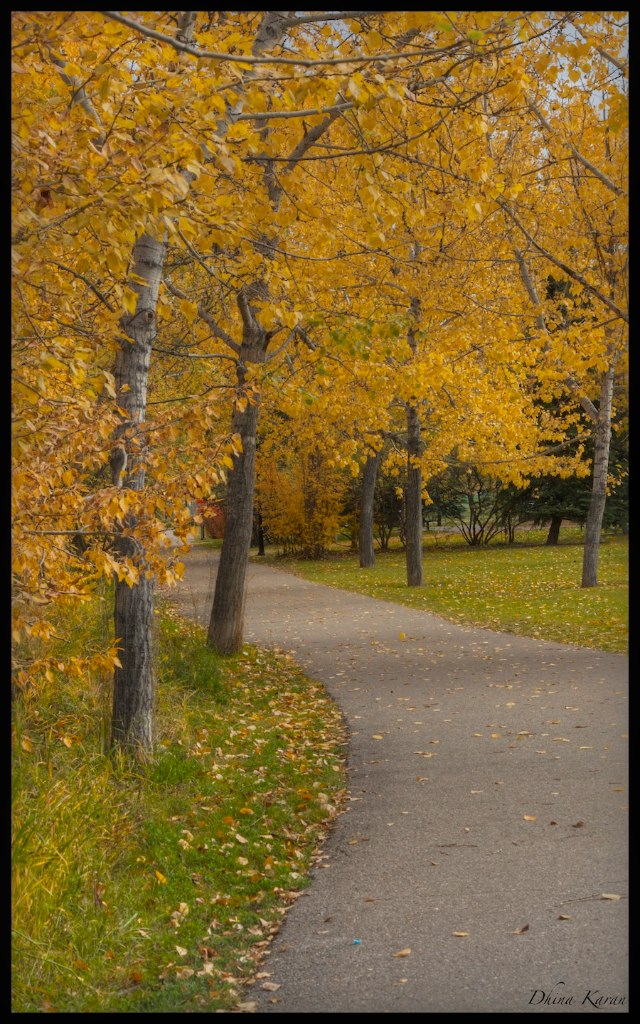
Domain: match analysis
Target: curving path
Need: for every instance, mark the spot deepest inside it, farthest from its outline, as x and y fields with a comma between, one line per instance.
x=487, y=795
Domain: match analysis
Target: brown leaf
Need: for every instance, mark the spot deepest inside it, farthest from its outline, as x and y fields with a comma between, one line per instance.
x=564, y=917
x=403, y=952
x=184, y=972
x=530, y=817
x=270, y=986
x=610, y=896
x=460, y=935
x=521, y=931
x=578, y=824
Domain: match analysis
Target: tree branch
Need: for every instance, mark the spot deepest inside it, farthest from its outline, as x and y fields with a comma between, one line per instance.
x=215, y=329
x=611, y=185
x=246, y=59
x=562, y=266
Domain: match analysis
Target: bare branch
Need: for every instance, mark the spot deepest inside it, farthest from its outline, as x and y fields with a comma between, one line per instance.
x=272, y=115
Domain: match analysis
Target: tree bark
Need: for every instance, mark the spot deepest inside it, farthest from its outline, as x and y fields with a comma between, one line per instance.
x=133, y=683
x=369, y=475
x=593, y=526
x=227, y=614
x=554, y=530
x=413, y=525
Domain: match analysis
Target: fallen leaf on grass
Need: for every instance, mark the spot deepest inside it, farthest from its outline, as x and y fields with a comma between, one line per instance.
x=161, y=878
x=184, y=972
x=403, y=952
x=181, y=951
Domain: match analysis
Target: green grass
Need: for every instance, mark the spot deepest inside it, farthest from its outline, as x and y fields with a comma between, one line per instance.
x=525, y=588
x=157, y=888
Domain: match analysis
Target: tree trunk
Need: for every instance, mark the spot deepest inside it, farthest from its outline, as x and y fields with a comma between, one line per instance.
x=413, y=527
x=369, y=475
x=554, y=530
x=593, y=526
x=227, y=614
x=133, y=686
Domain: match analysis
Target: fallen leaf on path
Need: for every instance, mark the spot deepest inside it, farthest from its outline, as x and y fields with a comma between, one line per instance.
x=377, y=736
x=249, y=1007
x=460, y=935
x=530, y=817
x=610, y=896
x=270, y=986
x=403, y=952
x=521, y=931
x=564, y=917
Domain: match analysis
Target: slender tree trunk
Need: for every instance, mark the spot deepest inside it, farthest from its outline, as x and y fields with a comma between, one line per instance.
x=227, y=614
x=554, y=530
x=133, y=684
x=414, y=499
x=369, y=475
x=593, y=526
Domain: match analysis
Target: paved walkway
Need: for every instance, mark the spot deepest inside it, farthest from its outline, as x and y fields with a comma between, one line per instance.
x=487, y=796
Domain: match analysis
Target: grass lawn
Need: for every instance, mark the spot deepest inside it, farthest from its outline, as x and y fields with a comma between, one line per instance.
x=524, y=588
x=156, y=888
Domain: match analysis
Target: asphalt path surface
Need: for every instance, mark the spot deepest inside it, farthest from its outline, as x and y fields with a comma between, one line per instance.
x=487, y=797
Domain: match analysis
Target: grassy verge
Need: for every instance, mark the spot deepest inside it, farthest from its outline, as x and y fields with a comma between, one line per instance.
x=525, y=588
x=158, y=888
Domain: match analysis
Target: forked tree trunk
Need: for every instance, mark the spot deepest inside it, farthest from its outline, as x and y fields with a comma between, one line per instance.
x=369, y=476
x=413, y=525
x=133, y=685
x=227, y=614
x=554, y=530
x=593, y=526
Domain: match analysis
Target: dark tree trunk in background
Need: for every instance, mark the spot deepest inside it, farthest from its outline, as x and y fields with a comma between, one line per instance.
x=413, y=526
x=593, y=526
x=554, y=530
x=369, y=476
x=133, y=684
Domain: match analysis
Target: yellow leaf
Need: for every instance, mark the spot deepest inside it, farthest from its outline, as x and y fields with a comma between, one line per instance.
x=162, y=881
x=67, y=742
x=529, y=817
x=460, y=935
x=403, y=952
x=377, y=736
x=26, y=744
x=129, y=300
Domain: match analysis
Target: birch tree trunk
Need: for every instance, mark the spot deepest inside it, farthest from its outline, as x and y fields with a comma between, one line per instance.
x=593, y=527
x=369, y=476
x=133, y=684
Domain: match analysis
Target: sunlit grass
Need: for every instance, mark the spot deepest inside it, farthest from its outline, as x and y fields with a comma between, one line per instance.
x=526, y=588
x=156, y=888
